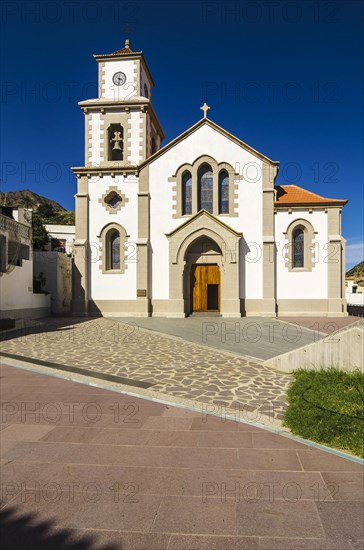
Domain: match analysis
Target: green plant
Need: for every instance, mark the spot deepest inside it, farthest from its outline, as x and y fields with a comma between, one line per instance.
x=40, y=235
x=327, y=406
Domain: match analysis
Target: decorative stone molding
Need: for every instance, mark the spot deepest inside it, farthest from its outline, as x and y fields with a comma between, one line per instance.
x=106, y=119
x=216, y=167
x=308, y=243
x=106, y=200
x=104, y=239
x=226, y=254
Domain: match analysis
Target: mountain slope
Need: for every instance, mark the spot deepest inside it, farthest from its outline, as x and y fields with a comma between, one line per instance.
x=357, y=271
x=28, y=199
x=48, y=211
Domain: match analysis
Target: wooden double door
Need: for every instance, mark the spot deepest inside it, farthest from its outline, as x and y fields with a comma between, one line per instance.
x=205, y=287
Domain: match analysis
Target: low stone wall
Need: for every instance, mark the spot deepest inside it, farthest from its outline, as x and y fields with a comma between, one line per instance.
x=343, y=349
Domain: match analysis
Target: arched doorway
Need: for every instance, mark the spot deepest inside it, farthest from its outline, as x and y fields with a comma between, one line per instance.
x=203, y=262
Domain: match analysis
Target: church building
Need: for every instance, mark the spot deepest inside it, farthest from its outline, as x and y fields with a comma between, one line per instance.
x=197, y=225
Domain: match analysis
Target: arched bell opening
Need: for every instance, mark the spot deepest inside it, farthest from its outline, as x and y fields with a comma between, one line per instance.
x=116, y=142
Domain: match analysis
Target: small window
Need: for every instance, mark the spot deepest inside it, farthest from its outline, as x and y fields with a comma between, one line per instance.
x=146, y=93
x=223, y=192
x=186, y=193
x=154, y=145
x=114, y=250
x=113, y=200
x=298, y=248
x=205, y=188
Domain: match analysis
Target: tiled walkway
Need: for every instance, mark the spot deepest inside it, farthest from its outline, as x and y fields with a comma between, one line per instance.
x=172, y=366
x=84, y=468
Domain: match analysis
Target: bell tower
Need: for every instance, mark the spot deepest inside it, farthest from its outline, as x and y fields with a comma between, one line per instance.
x=121, y=127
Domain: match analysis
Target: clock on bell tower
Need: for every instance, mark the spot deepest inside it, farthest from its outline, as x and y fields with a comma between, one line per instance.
x=121, y=125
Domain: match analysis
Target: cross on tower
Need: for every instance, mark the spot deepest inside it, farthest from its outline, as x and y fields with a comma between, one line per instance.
x=127, y=30
x=205, y=108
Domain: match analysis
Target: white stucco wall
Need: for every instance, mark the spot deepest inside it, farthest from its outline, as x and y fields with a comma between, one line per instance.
x=109, y=90
x=205, y=141
x=16, y=292
x=354, y=299
x=135, y=138
x=311, y=284
x=113, y=286
x=62, y=232
x=144, y=80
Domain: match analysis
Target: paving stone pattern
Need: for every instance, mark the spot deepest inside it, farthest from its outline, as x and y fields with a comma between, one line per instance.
x=175, y=367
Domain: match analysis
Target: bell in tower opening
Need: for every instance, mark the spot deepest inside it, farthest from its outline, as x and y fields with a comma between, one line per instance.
x=116, y=139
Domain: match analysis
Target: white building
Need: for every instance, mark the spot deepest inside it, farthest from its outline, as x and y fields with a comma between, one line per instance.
x=197, y=225
x=354, y=293
x=18, y=301
x=61, y=237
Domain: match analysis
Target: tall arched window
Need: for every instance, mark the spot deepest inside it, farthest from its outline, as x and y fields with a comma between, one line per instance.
x=223, y=192
x=205, y=188
x=186, y=193
x=114, y=250
x=298, y=247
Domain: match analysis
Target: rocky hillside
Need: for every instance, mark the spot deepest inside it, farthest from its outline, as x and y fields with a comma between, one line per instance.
x=28, y=199
x=50, y=211
x=357, y=273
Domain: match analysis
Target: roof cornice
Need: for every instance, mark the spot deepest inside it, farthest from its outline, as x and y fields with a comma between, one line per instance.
x=89, y=171
x=291, y=205
x=111, y=105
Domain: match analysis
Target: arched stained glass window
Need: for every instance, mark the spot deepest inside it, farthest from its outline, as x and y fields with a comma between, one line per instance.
x=223, y=192
x=114, y=246
x=186, y=193
x=205, y=188
x=298, y=247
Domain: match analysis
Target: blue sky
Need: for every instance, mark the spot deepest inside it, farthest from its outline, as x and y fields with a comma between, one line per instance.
x=284, y=76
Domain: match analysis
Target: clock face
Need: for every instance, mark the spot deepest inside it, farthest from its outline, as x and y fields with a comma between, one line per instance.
x=119, y=79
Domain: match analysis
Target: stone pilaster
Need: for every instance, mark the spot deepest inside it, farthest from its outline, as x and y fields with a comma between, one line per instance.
x=80, y=270
x=143, y=243
x=335, y=259
x=268, y=252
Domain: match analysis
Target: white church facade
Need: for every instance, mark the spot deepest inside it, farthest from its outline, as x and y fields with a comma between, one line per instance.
x=197, y=225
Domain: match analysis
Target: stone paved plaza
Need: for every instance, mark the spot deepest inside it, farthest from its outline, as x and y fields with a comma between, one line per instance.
x=174, y=367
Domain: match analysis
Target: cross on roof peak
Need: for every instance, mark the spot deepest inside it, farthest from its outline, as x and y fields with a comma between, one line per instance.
x=205, y=108
x=127, y=31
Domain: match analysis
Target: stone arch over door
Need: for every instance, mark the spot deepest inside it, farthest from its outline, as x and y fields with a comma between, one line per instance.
x=224, y=252
x=202, y=252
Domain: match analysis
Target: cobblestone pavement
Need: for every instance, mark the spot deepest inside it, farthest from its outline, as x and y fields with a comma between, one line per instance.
x=173, y=366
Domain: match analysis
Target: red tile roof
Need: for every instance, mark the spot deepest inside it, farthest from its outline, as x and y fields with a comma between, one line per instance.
x=124, y=51
x=294, y=195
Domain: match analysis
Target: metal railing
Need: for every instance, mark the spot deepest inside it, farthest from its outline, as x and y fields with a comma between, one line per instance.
x=358, y=311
